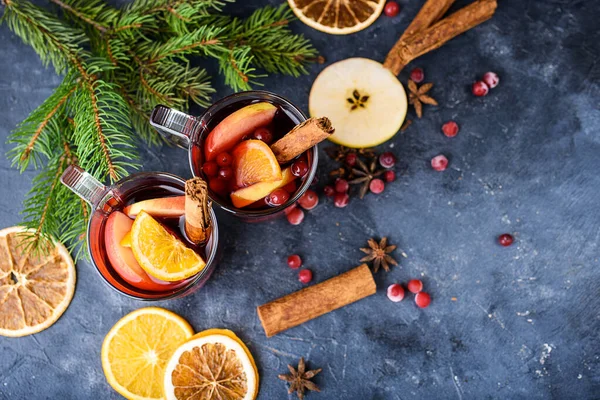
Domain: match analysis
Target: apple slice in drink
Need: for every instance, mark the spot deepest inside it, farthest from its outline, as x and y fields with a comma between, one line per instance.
x=248, y=195
x=164, y=207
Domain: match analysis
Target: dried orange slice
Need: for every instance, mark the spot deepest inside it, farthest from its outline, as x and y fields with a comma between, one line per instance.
x=136, y=350
x=34, y=290
x=338, y=17
x=212, y=365
x=254, y=162
x=161, y=254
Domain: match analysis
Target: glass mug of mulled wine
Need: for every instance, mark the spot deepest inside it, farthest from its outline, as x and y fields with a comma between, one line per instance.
x=230, y=146
x=144, y=213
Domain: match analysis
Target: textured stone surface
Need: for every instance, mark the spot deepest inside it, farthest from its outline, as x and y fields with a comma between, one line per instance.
x=526, y=318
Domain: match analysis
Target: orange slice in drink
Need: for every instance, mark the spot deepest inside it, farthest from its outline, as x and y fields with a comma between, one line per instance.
x=254, y=162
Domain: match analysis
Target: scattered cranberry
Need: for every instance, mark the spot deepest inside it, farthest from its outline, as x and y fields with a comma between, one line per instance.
x=210, y=168
x=415, y=286
x=295, y=216
x=422, y=299
x=341, y=200
x=329, y=191
x=218, y=185
x=351, y=159
x=226, y=173
x=278, y=197
x=299, y=168
x=294, y=261
x=341, y=185
x=450, y=129
x=376, y=186
x=387, y=160
x=391, y=9
x=505, y=239
x=309, y=200
x=491, y=79
x=389, y=176
x=439, y=163
x=290, y=187
x=480, y=88
x=305, y=276
x=417, y=75
x=263, y=134
x=224, y=159
x=395, y=292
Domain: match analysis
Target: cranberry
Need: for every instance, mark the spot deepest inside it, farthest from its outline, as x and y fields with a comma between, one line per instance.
x=218, y=185
x=309, y=200
x=278, y=197
x=290, y=187
x=422, y=299
x=226, y=173
x=505, y=239
x=480, y=89
x=491, y=79
x=439, y=163
x=415, y=286
x=450, y=129
x=329, y=191
x=387, y=160
x=263, y=134
x=351, y=159
x=295, y=216
x=341, y=185
x=341, y=200
x=389, y=176
x=391, y=9
x=224, y=159
x=299, y=168
x=294, y=261
x=376, y=186
x=210, y=168
x=305, y=276
x=395, y=292
x=417, y=75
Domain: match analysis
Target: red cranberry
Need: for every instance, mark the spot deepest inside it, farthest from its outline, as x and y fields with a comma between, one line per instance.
x=480, y=88
x=224, y=159
x=210, y=168
x=290, y=187
x=387, y=160
x=263, y=134
x=351, y=159
x=505, y=239
x=395, y=292
x=415, y=286
x=376, y=186
x=226, y=173
x=389, y=176
x=439, y=163
x=309, y=200
x=417, y=75
x=295, y=216
x=491, y=79
x=423, y=299
x=450, y=129
x=329, y=191
x=299, y=168
x=391, y=9
x=294, y=261
x=218, y=185
x=341, y=185
x=305, y=276
x=278, y=197
x=341, y=200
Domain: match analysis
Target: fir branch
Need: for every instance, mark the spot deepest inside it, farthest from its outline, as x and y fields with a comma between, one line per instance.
x=236, y=67
x=80, y=15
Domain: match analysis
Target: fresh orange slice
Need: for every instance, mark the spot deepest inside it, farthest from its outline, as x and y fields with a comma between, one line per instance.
x=34, y=289
x=213, y=365
x=136, y=350
x=338, y=17
x=254, y=162
x=161, y=254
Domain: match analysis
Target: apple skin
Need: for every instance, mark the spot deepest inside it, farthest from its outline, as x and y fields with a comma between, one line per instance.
x=248, y=195
x=232, y=129
x=163, y=207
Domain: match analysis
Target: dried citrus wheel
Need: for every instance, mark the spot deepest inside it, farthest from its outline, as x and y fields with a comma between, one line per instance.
x=161, y=254
x=338, y=17
x=136, y=350
x=214, y=364
x=34, y=289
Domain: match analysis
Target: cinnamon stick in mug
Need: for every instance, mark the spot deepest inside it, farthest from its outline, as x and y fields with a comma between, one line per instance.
x=197, y=210
x=301, y=138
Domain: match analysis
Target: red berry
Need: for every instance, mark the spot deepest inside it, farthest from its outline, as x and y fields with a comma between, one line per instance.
x=417, y=75
x=387, y=160
x=439, y=163
x=395, y=292
x=309, y=200
x=226, y=173
x=376, y=186
x=218, y=185
x=278, y=197
x=299, y=168
x=423, y=299
x=480, y=89
x=210, y=168
x=224, y=159
x=415, y=286
x=263, y=134
x=305, y=276
x=341, y=185
x=351, y=159
x=290, y=187
x=341, y=200
x=505, y=239
x=389, y=176
x=391, y=9
x=450, y=129
x=295, y=216
x=294, y=261
x=491, y=79
x=329, y=191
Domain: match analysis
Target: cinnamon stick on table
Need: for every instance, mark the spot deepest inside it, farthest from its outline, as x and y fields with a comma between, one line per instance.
x=197, y=211
x=301, y=138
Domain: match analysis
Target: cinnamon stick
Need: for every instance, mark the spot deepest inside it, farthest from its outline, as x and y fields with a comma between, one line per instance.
x=301, y=138
x=314, y=301
x=197, y=210
x=435, y=36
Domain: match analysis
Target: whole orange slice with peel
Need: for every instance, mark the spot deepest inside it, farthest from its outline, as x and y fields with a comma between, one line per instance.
x=137, y=348
x=213, y=364
x=160, y=253
x=254, y=162
x=35, y=289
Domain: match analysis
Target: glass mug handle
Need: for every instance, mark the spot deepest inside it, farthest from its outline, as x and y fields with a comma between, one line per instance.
x=83, y=185
x=175, y=126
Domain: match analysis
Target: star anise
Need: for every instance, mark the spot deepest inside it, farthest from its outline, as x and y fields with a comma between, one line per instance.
x=418, y=96
x=365, y=174
x=339, y=153
x=378, y=253
x=300, y=379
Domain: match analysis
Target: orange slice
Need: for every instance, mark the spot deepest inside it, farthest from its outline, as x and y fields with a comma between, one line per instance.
x=254, y=162
x=161, y=254
x=137, y=348
x=338, y=17
x=34, y=290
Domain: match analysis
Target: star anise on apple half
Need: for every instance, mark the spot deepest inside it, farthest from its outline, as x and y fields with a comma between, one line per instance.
x=418, y=96
x=300, y=379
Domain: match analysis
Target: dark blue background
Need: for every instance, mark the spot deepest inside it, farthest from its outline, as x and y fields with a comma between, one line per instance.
x=525, y=321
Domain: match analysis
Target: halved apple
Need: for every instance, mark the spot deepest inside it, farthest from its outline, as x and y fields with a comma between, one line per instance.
x=248, y=195
x=232, y=129
x=254, y=162
x=163, y=207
